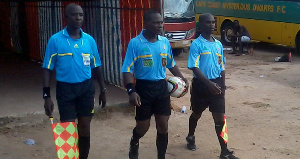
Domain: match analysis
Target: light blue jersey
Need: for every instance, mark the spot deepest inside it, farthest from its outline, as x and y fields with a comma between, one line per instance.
x=148, y=60
x=71, y=58
x=207, y=56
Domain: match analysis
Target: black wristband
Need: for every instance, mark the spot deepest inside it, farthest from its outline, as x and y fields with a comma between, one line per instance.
x=46, y=92
x=130, y=88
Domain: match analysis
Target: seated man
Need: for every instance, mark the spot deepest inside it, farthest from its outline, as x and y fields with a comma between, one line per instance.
x=240, y=36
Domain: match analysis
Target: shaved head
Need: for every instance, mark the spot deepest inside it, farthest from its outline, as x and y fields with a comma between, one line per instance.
x=207, y=23
x=71, y=7
x=74, y=15
x=204, y=17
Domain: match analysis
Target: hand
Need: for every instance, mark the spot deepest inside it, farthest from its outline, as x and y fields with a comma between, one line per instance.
x=187, y=85
x=102, y=99
x=135, y=99
x=48, y=106
x=223, y=89
x=214, y=88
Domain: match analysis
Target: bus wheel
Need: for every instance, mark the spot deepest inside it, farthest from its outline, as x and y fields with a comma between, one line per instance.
x=226, y=30
x=177, y=52
x=298, y=44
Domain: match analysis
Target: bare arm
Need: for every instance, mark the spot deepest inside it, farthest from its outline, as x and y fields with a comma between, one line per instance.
x=176, y=72
x=48, y=103
x=200, y=76
x=47, y=77
x=134, y=98
x=213, y=87
x=223, y=78
x=100, y=80
x=99, y=76
x=128, y=77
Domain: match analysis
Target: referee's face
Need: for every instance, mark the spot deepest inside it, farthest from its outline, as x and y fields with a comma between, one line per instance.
x=207, y=23
x=155, y=24
x=75, y=17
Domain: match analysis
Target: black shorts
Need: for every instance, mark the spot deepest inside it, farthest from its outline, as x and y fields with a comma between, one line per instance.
x=75, y=99
x=155, y=99
x=201, y=98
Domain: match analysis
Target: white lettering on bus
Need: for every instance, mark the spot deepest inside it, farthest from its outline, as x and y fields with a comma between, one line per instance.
x=201, y=4
x=281, y=9
x=263, y=8
x=242, y=6
x=213, y=4
x=236, y=6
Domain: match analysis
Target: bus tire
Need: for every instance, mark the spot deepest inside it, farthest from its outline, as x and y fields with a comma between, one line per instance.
x=177, y=52
x=226, y=29
x=298, y=44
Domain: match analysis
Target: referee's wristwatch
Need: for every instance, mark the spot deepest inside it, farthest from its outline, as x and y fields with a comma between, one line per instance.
x=103, y=90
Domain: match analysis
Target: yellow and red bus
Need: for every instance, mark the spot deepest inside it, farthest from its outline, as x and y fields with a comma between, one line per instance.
x=272, y=21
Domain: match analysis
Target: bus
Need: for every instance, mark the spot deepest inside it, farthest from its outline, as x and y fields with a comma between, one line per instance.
x=179, y=23
x=271, y=21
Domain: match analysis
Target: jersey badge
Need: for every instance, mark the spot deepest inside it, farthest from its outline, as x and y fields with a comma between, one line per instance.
x=219, y=60
x=147, y=62
x=164, y=62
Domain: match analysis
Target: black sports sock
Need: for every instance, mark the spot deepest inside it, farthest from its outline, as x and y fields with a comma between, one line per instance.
x=135, y=137
x=84, y=147
x=161, y=144
x=192, y=125
x=219, y=127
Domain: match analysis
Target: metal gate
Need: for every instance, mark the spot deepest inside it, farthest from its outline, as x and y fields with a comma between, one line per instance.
x=112, y=23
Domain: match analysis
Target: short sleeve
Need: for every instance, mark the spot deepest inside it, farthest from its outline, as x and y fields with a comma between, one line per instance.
x=50, y=55
x=223, y=58
x=170, y=62
x=128, y=64
x=194, y=55
x=96, y=62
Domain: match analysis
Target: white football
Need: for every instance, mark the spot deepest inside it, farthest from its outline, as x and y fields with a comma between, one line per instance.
x=176, y=86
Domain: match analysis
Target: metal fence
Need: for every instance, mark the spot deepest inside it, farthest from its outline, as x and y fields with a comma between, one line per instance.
x=112, y=23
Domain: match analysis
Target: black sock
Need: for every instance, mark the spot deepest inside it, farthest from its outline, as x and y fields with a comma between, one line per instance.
x=84, y=147
x=219, y=127
x=161, y=144
x=135, y=137
x=192, y=125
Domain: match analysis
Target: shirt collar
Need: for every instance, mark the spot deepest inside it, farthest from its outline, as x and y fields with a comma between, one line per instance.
x=144, y=40
x=65, y=32
x=204, y=40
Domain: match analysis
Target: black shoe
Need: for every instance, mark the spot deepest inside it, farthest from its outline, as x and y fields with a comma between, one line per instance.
x=191, y=143
x=227, y=155
x=134, y=151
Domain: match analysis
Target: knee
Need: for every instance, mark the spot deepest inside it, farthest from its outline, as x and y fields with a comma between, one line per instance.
x=195, y=115
x=218, y=117
x=162, y=128
x=141, y=130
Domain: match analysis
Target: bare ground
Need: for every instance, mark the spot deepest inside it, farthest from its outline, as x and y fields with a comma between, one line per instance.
x=262, y=110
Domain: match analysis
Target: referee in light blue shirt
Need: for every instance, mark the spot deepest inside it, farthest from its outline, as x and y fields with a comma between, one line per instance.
x=148, y=55
x=73, y=54
x=206, y=60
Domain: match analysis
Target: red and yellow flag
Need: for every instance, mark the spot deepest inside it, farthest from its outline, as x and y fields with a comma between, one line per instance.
x=224, y=134
x=66, y=140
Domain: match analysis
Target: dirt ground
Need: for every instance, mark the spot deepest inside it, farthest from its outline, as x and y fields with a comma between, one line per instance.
x=262, y=110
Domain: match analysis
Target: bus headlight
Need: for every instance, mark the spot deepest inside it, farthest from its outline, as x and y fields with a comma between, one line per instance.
x=190, y=33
